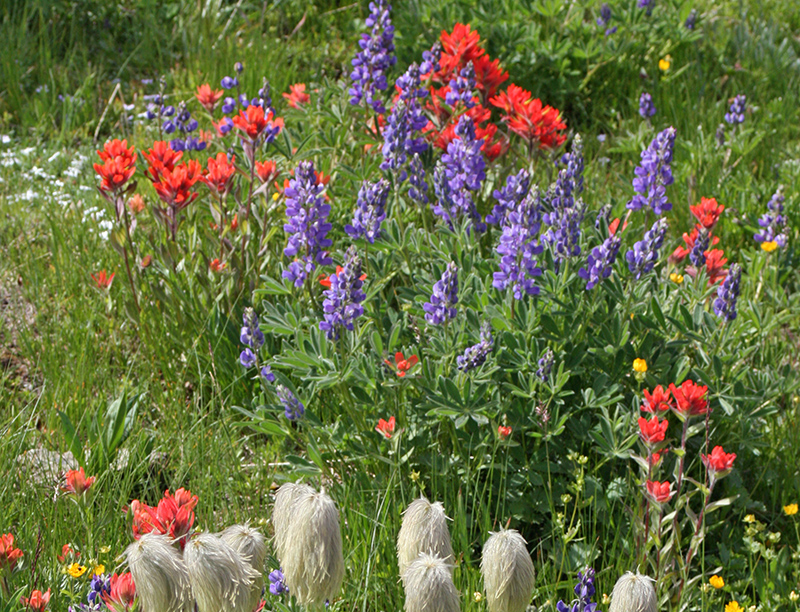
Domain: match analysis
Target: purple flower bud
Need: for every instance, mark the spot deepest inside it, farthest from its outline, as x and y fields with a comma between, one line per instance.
x=644, y=255
x=646, y=107
x=601, y=262
x=228, y=105
x=774, y=221
x=168, y=127
x=293, y=408
x=370, y=211
x=342, y=304
x=229, y=82
x=247, y=358
x=476, y=354
x=698, y=253
x=444, y=298
x=238, y=67
x=266, y=374
x=690, y=20
x=546, y=362
x=276, y=583
x=736, y=112
x=728, y=294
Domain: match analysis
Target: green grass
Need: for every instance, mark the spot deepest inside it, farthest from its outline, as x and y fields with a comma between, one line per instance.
x=76, y=349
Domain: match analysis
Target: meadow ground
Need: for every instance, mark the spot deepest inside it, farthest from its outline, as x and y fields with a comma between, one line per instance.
x=539, y=341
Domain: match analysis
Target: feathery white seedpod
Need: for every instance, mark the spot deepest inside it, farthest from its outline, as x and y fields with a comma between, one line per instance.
x=423, y=530
x=312, y=561
x=508, y=574
x=162, y=582
x=221, y=580
x=634, y=593
x=283, y=513
x=249, y=543
x=428, y=581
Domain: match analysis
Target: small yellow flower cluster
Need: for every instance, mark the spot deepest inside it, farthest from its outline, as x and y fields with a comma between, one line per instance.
x=716, y=581
x=790, y=510
x=750, y=518
x=639, y=365
x=769, y=246
x=676, y=278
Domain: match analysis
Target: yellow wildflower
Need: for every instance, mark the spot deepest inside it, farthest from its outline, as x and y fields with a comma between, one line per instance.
x=664, y=63
x=676, y=278
x=733, y=607
x=76, y=570
x=750, y=518
x=275, y=196
x=790, y=510
x=769, y=246
x=639, y=365
x=606, y=599
x=105, y=549
x=477, y=596
x=99, y=569
x=716, y=581
x=793, y=596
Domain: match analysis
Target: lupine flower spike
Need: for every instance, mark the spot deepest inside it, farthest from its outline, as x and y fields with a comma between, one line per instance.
x=444, y=298
x=728, y=294
x=429, y=585
x=508, y=574
x=634, y=593
x=423, y=530
x=158, y=570
x=654, y=174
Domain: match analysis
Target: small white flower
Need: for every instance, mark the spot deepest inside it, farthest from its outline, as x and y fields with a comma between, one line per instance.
x=634, y=593
x=423, y=530
x=162, y=582
x=508, y=573
x=428, y=582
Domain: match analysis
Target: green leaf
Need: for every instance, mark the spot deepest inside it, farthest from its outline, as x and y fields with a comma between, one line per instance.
x=73, y=442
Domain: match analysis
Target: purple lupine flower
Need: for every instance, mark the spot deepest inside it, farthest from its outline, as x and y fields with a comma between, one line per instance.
x=229, y=82
x=518, y=247
x=430, y=59
x=509, y=196
x=773, y=222
x=184, y=123
x=307, y=224
x=584, y=591
x=401, y=137
x=238, y=67
x=251, y=334
x=370, y=211
x=265, y=95
x=99, y=586
x=602, y=215
x=698, y=253
x=444, y=298
x=646, y=107
x=605, y=18
x=276, y=582
x=375, y=58
x=460, y=173
x=564, y=214
x=644, y=255
x=546, y=362
x=225, y=125
x=476, y=355
x=728, y=294
x=601, y=261
x=248, y=358
x=418, y=188
x=342, y=304
x=292, y=407
x=266, y=374
x=462, y=87
x=736, y=113
x=646, y=4
x=691, y=19
x=654, y=174
x=228, y=105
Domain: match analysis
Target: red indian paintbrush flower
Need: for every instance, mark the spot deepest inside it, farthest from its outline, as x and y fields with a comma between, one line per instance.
x=718, y=463
x=161, y=157
x=528, y=118
x=117, y=148
x=253, y=122
x=402, y=365
x=103, y=281
x=614, y=226
x=659, y=401
x=652, y=432
x=174, y=186
x=386, y=427
x=76, y=481
x=680, y=253
x=121, y=594
x=174, y=516
x=707, y=212
x=115, y=173
x=690, y=398
x=208, y=97
x=503, y=431
x=325, y=281
x=67, y=550
x=660, y=491
x=266, y=171
x=297, y=95
x=37, y=602
x=715, y=265
x=219, y=173
x=9, y=556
